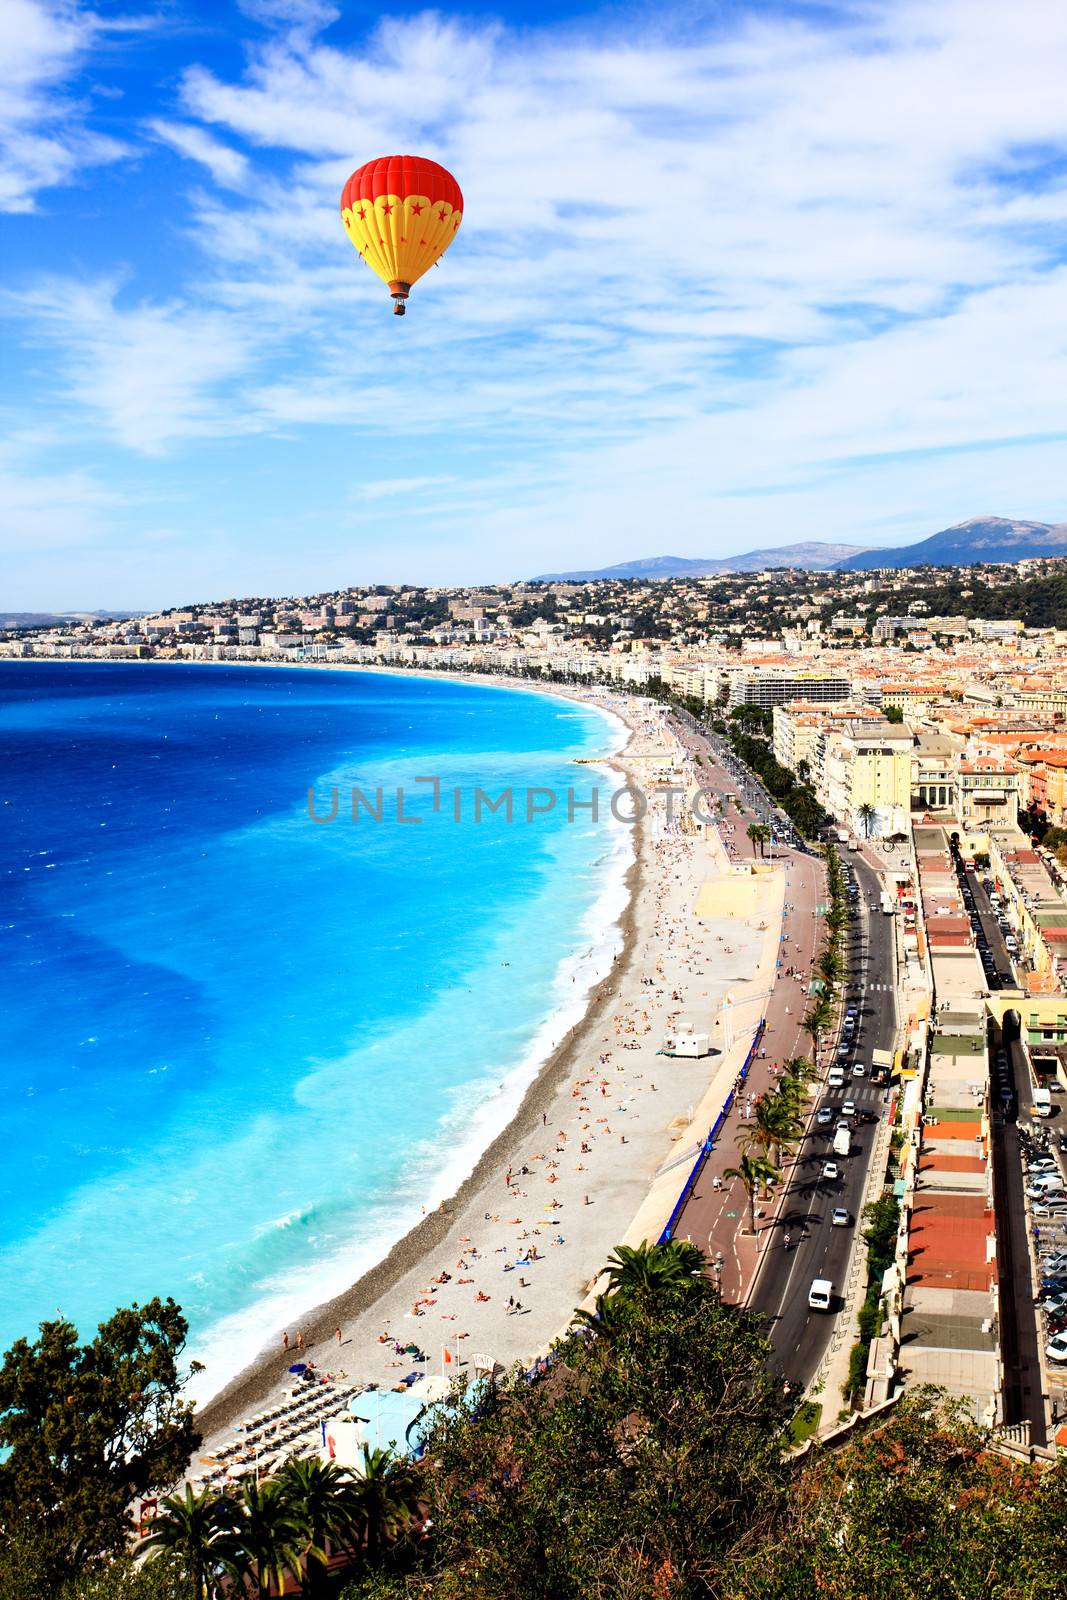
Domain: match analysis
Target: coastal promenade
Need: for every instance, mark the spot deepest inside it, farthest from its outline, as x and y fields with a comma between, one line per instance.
x=715, y=1215
x=497, y=1271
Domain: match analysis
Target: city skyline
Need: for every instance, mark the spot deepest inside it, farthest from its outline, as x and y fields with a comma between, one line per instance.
x=745, y=277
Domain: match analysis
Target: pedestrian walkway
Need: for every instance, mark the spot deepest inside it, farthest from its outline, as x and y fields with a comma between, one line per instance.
x=715, y=1217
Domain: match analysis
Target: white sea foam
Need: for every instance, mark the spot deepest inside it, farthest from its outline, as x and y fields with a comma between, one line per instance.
x=481, y=1110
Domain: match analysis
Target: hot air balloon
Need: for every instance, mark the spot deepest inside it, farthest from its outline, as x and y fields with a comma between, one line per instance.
x=401, y=213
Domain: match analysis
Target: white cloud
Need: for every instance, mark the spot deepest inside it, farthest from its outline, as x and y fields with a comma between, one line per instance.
x=43, y=137
x=226, y=165
x=304, y=16
x=714, y=282
x=150, y=373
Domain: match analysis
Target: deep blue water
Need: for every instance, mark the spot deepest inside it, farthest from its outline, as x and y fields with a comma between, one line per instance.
x=238, y=1049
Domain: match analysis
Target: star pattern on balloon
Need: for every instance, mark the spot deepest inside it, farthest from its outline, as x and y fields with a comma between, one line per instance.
x=416, y=187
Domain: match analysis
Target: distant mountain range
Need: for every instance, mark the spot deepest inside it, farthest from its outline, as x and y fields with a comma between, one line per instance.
x=56, y=619
x=977, y=540
x=813, y=557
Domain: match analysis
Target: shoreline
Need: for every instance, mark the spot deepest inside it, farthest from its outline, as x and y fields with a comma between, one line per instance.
x=249, y=1387
x=663, y=882
x=625, y=1195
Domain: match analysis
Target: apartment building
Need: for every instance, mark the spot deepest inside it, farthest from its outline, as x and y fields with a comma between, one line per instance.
x=867, y=763
x=769, y=687
x=988, y=796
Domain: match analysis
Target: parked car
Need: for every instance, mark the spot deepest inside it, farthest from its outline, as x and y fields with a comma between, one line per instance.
x=1056, y=1349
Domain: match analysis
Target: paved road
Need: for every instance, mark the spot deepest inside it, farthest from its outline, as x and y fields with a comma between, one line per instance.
x=990, y=927
x=817, y=1249
x=1020, y=1327
x=717, y=1214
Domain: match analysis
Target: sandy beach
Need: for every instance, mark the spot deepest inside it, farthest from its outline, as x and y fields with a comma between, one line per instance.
x=602, y=1142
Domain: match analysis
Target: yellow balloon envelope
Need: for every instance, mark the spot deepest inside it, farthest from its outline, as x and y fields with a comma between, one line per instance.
x=401, y=213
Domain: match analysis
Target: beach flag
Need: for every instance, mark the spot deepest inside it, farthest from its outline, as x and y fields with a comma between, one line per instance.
x=446, y=1355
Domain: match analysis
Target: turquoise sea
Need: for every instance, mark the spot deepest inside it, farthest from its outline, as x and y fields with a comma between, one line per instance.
x=240, y=1050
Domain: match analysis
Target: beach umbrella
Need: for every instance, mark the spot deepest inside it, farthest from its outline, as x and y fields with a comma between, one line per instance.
x=298, y=1368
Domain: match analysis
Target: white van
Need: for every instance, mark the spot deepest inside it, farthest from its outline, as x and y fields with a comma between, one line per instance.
x=836, y=1078
x=1042, y=1102
x=820, y=1294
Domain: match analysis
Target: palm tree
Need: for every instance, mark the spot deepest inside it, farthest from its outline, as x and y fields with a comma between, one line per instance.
x=387, y=1496
x=815, y=1023
x=793, y=1094
x=606, y=1320
x=322, y=1499
x=758, y=835
x=776, y=1125
x=753, y=1172
x=198, y=1530
x=830, y=965
x=800, y=1071
x=866, y=814
x=270, y=1535
x=646, y=1272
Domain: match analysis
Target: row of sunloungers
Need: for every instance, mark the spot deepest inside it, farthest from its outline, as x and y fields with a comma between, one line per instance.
x=288, y=1429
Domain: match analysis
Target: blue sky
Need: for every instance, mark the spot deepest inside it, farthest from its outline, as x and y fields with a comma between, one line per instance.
x=740, y=275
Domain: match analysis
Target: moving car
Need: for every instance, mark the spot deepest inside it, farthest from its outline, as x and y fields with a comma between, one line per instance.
x=830, y=1172
x=859, y=1070
x=836, y=1078
x=848, y=1108
x=840, y=1218
x=821, y=1294
x=824, y=1116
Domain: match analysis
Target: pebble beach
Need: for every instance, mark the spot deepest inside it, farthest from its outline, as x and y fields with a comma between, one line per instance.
x=603, y=1139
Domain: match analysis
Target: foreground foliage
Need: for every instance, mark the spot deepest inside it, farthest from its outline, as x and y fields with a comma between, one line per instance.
x=86, y=1429
x=652, y=1459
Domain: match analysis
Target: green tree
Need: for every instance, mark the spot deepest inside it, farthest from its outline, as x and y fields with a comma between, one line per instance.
x=270, y=1536
x=758, y=834
x=777, y=1126
x=867, y=815
x=198, y=1532
x=87, y=1429
x=387, y=1495
x=324, y=1503
x=816, y=1021
x=646, y=1273
x=755, y=1172
x=798, y=1069
x=622, y=1478
x=915, y=1508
